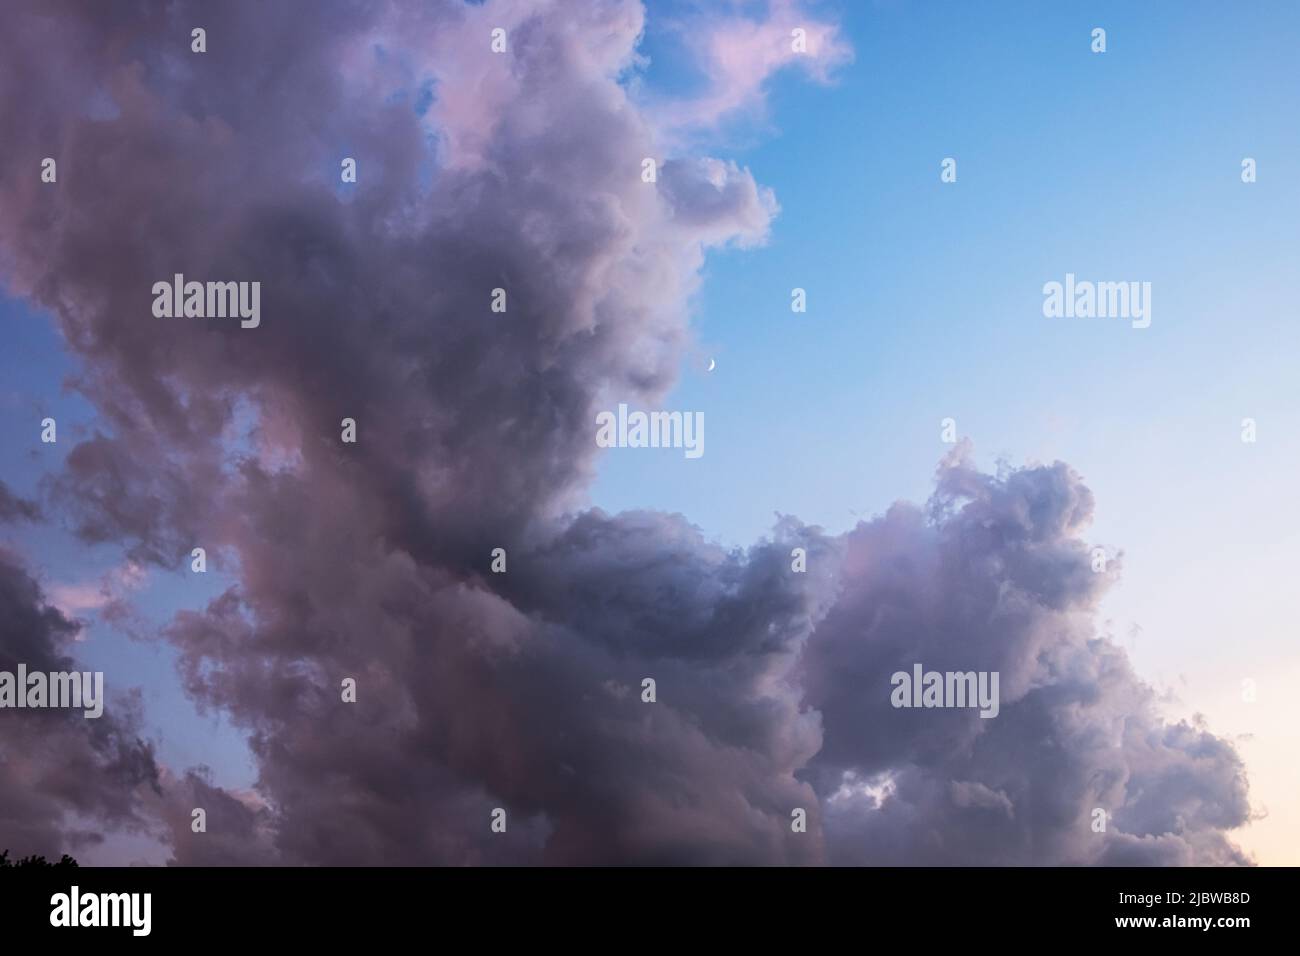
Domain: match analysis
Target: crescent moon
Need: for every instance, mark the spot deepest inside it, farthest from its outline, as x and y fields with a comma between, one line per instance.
x=712, y=365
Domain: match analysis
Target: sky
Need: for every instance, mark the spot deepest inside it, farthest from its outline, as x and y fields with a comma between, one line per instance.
x=924, y=302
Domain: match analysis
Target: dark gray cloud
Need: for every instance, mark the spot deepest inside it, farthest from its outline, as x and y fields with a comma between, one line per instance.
x=996, y=578
x=14, y=508
x=476, y=431
x=65, y=780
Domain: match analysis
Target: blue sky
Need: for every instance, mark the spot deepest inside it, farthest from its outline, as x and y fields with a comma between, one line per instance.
x=924, y=302
x=924, y=296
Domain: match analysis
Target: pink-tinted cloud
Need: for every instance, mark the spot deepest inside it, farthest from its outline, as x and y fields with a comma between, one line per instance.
x=739, y=51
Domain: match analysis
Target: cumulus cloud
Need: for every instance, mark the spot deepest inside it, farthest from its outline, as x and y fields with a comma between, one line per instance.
x=65, y=781
x=994, y=576
x=475, y=431
x=739, y=47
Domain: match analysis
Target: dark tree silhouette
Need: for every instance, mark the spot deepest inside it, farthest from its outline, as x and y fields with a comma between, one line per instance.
x=34, y=861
